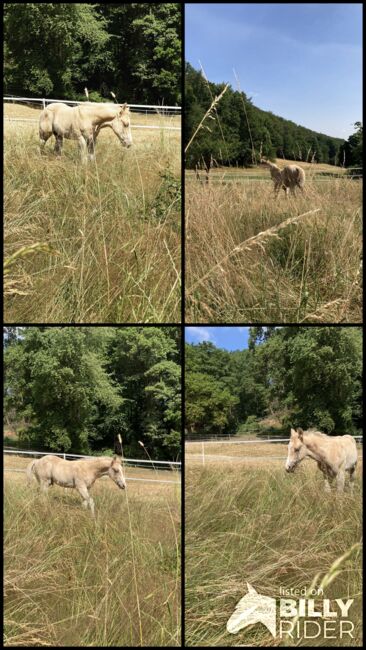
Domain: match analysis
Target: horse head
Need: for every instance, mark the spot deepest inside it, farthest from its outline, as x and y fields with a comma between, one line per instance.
x=297, y=450
x=121, y=125
x=116, y=474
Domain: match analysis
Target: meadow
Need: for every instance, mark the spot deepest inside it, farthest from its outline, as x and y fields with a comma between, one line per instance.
x=251, y=522
x=72, y=581
x=92, y=243
x=253, y=258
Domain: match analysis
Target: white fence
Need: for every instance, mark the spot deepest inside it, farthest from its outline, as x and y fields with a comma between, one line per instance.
x=133, y=462
x=203, y=456
x=138, y=108
x=135, y=108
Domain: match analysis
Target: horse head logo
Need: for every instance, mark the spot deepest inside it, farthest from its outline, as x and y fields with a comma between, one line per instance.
x=253, y=608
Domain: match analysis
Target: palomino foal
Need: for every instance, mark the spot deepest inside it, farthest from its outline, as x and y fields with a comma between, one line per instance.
x=83, y=123
x=78, y=474
x=335, y=455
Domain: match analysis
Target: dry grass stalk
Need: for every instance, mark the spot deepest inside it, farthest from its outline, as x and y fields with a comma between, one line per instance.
x=256, y=240
x=107, y=222
x=312, y=268
x=208, y=113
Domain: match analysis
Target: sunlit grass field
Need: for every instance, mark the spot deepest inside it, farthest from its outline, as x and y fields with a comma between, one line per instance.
x=252, y=258
x=98, y=242
x=252, y=522
x=72, y=581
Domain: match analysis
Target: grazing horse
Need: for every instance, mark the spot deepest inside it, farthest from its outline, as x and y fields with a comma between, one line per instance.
x=288, y=178
x=83, y=123
x=334, y=455
x=78, y=474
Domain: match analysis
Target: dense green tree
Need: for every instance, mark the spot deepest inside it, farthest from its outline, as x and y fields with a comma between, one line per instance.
x=209, y=405
x=76, y=388
x=56, y=49
x=144, y=362
x=352, y=151
x=52, y=48
x=306, y=376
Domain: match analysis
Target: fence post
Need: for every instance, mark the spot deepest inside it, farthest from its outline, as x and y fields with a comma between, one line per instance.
x=203, y=453
x=44, y=103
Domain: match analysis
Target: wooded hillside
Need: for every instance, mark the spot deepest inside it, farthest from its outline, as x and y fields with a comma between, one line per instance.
x=239, y=132
x=56, y=49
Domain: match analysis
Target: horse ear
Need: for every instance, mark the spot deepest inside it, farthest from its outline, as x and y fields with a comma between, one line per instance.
x=123, y=108
x=300, y=433
x=293, y=432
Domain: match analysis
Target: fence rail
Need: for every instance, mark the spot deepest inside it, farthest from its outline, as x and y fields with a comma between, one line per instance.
x=141, y=108
x=128, y=478
x=203, y=456
x=133, y=126
x=134, y=462
x=248, y=177
x=217, y=441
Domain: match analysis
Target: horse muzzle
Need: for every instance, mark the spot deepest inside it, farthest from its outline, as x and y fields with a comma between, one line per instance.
x=290, y=468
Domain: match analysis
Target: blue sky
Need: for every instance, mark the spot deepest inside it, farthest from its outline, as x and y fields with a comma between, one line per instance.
x=229, y=338
x=300, y=61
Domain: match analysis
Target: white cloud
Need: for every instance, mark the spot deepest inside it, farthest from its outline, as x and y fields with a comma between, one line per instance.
x=200, y=334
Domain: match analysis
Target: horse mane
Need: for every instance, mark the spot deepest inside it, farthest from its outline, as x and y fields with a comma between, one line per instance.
x=315, y=432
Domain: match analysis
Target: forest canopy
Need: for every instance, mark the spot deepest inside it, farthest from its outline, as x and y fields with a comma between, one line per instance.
x=299, y=376
x=239, y=132
x=56, y=49
x=74, y=389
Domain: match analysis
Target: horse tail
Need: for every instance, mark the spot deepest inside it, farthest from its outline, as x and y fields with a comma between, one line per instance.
x=30, y=471
x=45, y=124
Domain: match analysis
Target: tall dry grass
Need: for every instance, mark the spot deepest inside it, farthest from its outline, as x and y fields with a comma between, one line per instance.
x=251, y=258
x=273, y=530
x=72, y=581
x=93, y=243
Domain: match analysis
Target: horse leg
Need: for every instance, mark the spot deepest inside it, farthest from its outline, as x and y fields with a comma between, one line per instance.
x=44, y=485
x=91, y=147
x=327, y=484
x=340, y=480
x=83, y=149
x=327, y=477
x=88, y=501
x=43, y=137
x=352, y=478
x=58, y=144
